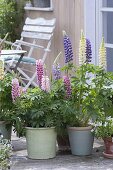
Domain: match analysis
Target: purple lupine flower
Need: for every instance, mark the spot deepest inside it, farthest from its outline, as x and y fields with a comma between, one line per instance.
x=15, y=89
x=56, y=71
x=24, y=90
x=45, y=85
x=67, y=48
x=40, y=71
x=67, y=85
x=88, y=51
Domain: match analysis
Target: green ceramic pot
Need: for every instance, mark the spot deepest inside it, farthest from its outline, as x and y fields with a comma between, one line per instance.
x=81, y=140
x=5, y=130
x=41, y=142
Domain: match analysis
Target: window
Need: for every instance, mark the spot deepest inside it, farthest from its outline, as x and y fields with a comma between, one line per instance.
x=98, y=23
x=42, y=3
x=106, y=19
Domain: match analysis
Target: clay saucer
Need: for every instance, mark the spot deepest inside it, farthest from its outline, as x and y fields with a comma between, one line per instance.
x=108, y=155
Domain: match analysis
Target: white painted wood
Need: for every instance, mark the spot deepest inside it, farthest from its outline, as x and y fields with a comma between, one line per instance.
x=99, y=29
x=12, y=52
x=90, y=25
x=40, y=36
x=39, y=9
x=38, y=29
x=105, y=9
x=108, y=45
x=40, y=21
x=28, y=44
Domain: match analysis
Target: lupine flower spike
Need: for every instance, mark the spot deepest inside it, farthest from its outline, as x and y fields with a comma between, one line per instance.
x=67, y=85
x=40, y=71
x=15, y=89
x=88, y=51
x=45, y=85
x=82, y=49
x=56, y=68
x=67, y=48
x=56, y=72
x=1, y=70
x=102, y=55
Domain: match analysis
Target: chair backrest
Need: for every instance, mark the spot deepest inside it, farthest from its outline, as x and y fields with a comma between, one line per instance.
x=39, y=28
x=36, y=30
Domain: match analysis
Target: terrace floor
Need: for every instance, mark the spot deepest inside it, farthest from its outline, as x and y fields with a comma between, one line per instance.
x=63, y=161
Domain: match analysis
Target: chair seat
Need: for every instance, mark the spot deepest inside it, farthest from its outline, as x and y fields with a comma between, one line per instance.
x=25, y=59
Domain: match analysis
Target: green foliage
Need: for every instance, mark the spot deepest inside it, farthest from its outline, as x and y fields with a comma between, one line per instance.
x=6, y=103
x=34, y=109
x=92, y=94
x=103, y=126
x=58, y=103
x=11, y=18
x=103, y=89
x=5, y=153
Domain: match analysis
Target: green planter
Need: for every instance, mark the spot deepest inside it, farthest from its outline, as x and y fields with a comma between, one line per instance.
x=81, y=140
x=5, y=130
x=41, y=142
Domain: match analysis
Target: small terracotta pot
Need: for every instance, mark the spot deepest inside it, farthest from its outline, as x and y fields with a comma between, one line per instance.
x=108, y=145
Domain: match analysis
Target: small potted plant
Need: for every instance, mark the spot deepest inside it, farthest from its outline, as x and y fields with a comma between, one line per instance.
x=104, y=130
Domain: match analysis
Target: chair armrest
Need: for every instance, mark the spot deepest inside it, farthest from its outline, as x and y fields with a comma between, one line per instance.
x=29, y=44
x=6, y=42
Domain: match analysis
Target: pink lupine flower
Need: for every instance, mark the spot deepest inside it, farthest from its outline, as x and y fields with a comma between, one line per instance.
x=22, y=90
x=67, y=85
x=40, y=71
x=45, y=83
x=15, y=89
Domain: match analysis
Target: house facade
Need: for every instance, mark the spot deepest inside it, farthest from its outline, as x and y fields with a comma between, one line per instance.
x=69, y=17
x=95, y=17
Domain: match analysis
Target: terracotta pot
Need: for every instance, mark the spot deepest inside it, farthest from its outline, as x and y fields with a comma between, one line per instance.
x=108, y=142
x=63, y=143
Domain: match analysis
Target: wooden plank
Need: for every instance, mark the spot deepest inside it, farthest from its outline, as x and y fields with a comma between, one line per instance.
x=40, y=21
x=40, y=36
x=38, y=29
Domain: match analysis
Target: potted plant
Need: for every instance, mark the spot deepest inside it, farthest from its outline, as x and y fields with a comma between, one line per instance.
x=6, y=104
x=58, y=98
x=36, y=113
x=78, y=108
x=34, y=109
x=104, y=130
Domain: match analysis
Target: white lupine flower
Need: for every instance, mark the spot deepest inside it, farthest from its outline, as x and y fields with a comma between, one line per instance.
x=1, y=70
x=82, y=49
x=45, y=85
x=102, y=55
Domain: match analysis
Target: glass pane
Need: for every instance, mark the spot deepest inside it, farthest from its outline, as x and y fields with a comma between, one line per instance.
x=41, y=3
x=108, y=3
x=108, y=27
x=109, y=59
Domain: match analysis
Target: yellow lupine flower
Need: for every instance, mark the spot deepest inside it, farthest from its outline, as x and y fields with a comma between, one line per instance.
x=82, y=49
x=102, y=55
x=1, y=70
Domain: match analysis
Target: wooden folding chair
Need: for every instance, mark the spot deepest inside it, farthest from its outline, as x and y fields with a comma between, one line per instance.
x=36, y=32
